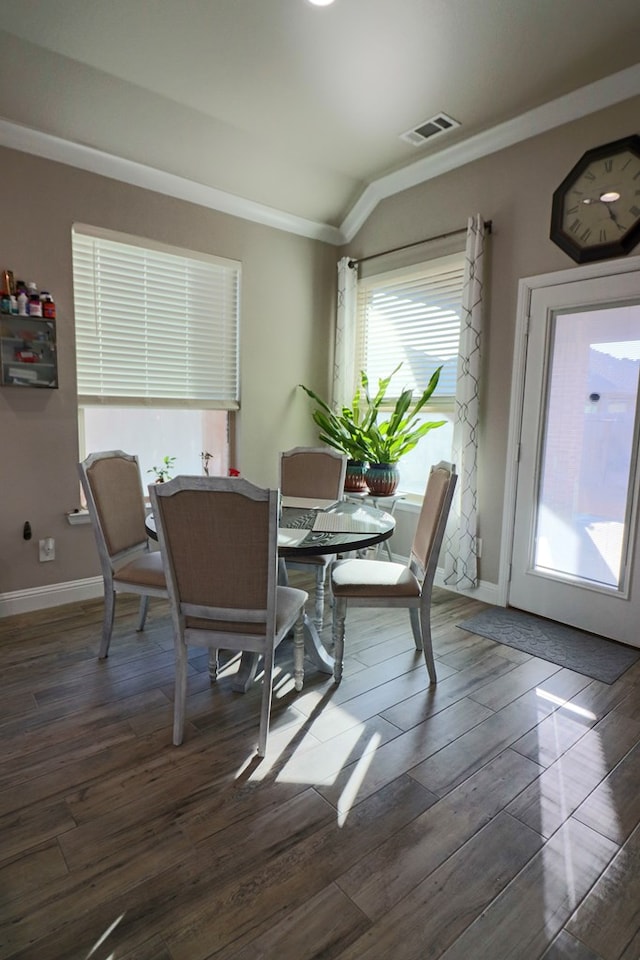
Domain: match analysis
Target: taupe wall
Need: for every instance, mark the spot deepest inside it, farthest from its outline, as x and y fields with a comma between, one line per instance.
x=287, y=307
x=287, y=297
x=512, y=188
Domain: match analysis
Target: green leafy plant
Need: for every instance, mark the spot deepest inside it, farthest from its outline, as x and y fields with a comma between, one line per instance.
x=162, y=473
x=355, y=430
x=344, y=430
x=390, y=440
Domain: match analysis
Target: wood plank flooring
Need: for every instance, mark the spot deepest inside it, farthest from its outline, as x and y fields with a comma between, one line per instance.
x=494, y=816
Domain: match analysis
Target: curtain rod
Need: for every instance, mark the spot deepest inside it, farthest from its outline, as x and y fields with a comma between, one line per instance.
x=443, y=236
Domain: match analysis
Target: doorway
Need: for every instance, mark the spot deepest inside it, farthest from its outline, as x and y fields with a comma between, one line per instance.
x=574, y=505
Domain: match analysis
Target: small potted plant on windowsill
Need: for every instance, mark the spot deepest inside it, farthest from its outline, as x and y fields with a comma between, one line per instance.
x=162, y=473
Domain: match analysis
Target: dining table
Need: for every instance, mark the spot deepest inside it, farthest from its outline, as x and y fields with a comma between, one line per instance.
x=312, y=527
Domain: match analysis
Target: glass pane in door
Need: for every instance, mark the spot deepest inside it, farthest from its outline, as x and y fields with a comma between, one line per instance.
x=588, y=446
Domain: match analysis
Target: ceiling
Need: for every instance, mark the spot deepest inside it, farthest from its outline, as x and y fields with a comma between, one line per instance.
x=292, y=114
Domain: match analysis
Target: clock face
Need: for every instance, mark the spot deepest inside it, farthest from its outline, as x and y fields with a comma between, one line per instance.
x=596, y=209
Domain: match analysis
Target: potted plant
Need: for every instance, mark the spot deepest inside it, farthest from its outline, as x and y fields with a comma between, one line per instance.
x=345, y=431
x=391, y=439
x=377, y=447
x=162, y=473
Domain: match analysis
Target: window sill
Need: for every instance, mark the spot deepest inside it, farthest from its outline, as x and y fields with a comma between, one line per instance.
x=404, y=502
x=412, y=503
x=78, y=516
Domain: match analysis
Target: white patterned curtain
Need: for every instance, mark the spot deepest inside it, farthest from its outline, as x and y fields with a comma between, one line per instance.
x=344, y=358
x=460, y=561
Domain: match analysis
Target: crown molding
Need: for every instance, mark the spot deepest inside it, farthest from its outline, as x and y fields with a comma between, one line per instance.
x=572, y=106
x=23, y=138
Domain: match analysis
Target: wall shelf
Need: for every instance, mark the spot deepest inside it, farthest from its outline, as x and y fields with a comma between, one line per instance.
x=28, y=355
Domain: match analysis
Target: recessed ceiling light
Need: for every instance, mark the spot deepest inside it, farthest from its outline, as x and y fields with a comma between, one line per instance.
x=321, y=3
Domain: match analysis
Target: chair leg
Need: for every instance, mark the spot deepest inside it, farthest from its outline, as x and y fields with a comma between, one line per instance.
x=416, y=628
x=427, y=647
x=339, y=615
x=319, y=606
x=213, y=663
x=265, y=708
x=298, y=652
x=144, y=607
x=107, y=622
x=181, y=692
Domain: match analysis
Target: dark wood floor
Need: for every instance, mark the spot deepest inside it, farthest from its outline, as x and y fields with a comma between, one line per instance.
x=494, y=816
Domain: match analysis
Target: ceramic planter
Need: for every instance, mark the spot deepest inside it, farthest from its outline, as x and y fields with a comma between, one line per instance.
x=382, y=479
x=355, y=480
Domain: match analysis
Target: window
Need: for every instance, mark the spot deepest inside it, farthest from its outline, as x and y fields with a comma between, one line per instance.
x=156, y=349
x=412, y=316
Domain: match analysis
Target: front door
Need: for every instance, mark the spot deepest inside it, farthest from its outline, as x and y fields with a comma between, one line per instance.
x=575, y=533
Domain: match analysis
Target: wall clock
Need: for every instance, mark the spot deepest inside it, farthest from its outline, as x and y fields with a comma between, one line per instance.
x=595, y=212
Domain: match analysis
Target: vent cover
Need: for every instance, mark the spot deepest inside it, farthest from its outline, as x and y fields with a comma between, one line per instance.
x=429, y=129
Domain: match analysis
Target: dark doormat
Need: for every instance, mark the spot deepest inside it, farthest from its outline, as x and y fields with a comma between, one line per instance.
x=585, y=653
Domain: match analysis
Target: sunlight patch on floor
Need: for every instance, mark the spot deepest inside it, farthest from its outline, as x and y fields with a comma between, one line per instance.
x=560, y=788
x=104, y=936
x=296, y=756
x=564, y=704
x=321, y=762
x=349, y=794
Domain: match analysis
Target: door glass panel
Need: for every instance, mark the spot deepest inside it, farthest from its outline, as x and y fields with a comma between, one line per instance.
x=588, y=446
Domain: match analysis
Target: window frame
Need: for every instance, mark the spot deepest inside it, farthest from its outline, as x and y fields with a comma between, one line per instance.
x=439, y=404
x=86, y=242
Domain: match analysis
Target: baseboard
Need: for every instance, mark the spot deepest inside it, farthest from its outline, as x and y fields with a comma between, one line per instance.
x=485, y=592
x=39, y=598
x=54, y=595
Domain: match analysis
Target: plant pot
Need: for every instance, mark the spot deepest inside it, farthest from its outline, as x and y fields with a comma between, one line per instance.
x=382, y=479
x=355, y=480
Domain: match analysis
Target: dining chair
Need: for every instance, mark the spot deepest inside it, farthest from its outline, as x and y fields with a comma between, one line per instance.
x=219, y=542
x=381, y=583
x=313, y=473
x=113, y=490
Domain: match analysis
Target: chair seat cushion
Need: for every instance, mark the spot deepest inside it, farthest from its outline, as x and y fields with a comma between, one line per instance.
x=289, y=600
x=145, y=571
x=373, y=578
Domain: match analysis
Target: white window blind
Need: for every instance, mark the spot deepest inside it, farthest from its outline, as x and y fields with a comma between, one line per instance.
x=412, y=316
x=154, y=325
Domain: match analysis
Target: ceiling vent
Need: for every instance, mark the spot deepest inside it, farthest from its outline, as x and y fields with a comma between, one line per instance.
x=429, y=129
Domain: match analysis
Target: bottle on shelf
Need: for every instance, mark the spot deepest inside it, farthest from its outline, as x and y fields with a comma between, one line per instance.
x=23, y=302
x=35, y=306
x=48, y=305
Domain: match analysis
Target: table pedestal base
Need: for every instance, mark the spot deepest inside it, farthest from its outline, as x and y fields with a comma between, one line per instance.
x=313, y=648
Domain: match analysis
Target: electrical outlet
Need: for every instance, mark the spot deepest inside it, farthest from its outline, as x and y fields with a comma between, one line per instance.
x=478, y=546
x=47, y=549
